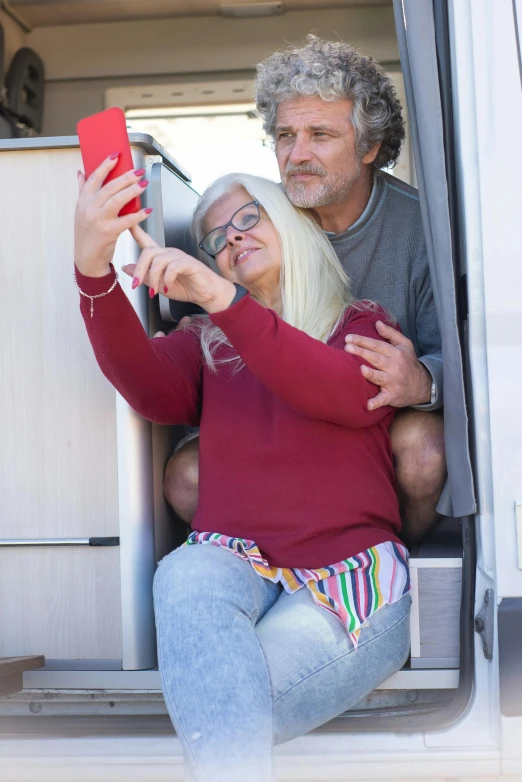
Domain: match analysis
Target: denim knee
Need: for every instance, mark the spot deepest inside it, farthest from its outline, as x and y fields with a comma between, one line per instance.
x=201, y=577
x=166, y=573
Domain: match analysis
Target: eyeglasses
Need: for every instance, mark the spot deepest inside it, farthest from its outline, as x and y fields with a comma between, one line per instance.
x=245, y=217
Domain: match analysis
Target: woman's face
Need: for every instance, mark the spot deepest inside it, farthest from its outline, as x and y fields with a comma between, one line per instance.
x=252, y=255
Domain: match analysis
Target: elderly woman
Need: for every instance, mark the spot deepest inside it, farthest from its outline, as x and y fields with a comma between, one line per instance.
x=289, y=603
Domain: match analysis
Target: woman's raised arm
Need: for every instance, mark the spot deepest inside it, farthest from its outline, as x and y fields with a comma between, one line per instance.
x=161, y=379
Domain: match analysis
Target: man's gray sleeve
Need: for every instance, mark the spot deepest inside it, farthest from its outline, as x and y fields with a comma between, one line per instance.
x=428, y=336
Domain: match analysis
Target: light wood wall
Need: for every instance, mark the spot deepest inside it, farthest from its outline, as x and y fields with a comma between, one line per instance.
x=58, y=460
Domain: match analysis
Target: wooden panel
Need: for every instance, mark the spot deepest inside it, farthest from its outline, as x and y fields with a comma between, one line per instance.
x=439, y=611
x=57, y=418
x=63, y=603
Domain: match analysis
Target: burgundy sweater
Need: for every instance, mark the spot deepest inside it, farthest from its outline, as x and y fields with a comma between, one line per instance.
x=290, y=457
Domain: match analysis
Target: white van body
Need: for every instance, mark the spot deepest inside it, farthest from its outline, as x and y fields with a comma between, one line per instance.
x=481, y=743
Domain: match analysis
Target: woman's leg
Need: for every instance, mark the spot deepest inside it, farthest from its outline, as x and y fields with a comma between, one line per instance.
x=215, y=678
x=315, y=671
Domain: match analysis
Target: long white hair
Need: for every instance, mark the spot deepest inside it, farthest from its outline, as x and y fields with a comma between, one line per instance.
x=315, y=290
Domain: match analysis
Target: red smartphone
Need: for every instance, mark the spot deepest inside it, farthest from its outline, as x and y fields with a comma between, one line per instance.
x=100, y=135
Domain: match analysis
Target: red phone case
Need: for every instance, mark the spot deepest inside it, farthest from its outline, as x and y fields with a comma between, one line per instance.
x=100, y=135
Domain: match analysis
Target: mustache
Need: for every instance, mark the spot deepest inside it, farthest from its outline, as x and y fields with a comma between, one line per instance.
x=304, y=168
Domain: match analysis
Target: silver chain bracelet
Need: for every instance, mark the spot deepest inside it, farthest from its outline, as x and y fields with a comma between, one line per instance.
x=97, y=295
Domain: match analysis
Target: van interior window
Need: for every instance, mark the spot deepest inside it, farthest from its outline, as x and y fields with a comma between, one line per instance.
x=211, y=140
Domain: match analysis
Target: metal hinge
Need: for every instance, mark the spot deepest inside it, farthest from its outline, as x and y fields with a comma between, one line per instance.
x=484, y=624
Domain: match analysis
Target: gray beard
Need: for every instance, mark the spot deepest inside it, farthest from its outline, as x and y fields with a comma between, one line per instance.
x=332, y=191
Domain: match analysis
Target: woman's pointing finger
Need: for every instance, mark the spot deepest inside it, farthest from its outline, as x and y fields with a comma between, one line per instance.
x=142, y=237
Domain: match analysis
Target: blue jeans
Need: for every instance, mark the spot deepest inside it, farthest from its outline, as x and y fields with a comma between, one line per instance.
x=244, y=665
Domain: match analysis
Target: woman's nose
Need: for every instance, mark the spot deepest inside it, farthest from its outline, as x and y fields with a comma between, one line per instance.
x=233, y=235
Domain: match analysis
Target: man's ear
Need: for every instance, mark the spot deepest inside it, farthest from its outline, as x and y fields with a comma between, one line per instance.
x=372, y=153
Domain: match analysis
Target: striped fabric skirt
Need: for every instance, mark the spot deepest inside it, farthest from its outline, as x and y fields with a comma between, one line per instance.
x=352, y=589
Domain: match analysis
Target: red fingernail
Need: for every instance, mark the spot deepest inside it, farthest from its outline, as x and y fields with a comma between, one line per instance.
x=143, y=183
x=114, y=156
x=135, y=282
x=165, y=289
x=148, y=210
x=152, y=293
x=139, y=171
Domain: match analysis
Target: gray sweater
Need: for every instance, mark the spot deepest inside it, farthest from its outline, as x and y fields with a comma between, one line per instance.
x=384, y=254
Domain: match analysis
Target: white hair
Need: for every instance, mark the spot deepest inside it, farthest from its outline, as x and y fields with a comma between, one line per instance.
x=315, y=290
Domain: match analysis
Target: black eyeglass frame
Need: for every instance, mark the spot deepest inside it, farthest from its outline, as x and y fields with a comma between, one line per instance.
x=230, y=222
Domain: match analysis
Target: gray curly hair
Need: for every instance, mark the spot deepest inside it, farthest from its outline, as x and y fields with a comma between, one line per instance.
x=335, y=70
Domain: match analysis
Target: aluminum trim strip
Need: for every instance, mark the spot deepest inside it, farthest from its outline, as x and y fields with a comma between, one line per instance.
x=135, y=492
x=443, y=679
x=414, y=614
x=435, y=562
x=44, y=542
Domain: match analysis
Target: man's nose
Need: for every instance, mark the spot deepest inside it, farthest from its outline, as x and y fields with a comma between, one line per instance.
x=300, y=151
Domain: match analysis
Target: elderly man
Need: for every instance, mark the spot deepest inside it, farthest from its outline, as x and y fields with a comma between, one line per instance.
x=335, y=121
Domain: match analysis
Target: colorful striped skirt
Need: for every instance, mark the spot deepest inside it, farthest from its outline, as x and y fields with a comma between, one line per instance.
x=352, y=590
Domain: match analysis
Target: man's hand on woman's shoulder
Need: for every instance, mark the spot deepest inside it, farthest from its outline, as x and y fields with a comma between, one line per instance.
x=402, y=379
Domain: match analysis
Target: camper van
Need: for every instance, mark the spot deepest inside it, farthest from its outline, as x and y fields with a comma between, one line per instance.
x=83, y=520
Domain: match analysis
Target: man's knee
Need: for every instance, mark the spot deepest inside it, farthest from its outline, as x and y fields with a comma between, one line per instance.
x=417, y=440
x=180, y=483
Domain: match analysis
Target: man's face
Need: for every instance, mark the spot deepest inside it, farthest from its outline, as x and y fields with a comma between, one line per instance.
x=315, y=150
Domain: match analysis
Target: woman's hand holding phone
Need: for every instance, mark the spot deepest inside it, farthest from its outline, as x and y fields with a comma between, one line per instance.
x=178, y=275
x=97, y=224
